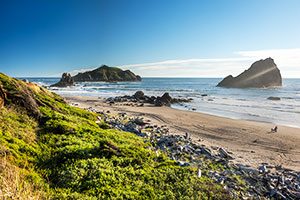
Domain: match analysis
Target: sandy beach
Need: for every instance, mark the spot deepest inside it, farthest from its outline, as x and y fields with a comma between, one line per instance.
x=250, y=142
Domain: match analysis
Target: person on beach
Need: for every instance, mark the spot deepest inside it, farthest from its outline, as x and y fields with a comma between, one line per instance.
x=274, y=130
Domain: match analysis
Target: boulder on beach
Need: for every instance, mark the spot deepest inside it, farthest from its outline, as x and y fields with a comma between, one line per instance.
x=164, y=100
x=107, y=74
x=139, y=95
x=65, y=81
x=262, y=73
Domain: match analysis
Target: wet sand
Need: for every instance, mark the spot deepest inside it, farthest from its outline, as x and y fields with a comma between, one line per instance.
x=250, y=142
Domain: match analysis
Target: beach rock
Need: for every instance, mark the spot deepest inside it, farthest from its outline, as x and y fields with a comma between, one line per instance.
x=206, y=151
x=224, y=153
x=65, y=81
x=140, y=99
x=107, y=74
x=164, y=100
x=274, y=98
x=187, y=136
x=262, y=73
x=263, y=169
x=247, y=169
x=166, y=97
x=158, y=102
x=139, y=95
x=139, y=121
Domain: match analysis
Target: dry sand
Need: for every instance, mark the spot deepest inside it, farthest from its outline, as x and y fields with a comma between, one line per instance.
x=250, y=142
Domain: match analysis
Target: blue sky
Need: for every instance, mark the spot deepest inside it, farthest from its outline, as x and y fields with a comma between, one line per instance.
x=209, y=38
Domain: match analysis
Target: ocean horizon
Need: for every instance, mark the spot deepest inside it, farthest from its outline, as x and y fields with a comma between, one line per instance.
x=247, y=104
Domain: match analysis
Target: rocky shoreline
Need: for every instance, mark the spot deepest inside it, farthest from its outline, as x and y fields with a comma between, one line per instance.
x=140, y=98
x=241, y=181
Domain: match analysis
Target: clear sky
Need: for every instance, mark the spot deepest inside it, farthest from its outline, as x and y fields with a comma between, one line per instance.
x=202, y=38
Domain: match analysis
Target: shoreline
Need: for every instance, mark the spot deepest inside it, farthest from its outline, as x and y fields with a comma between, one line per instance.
x=236, y=118
x=219, y=113
x=250, y=142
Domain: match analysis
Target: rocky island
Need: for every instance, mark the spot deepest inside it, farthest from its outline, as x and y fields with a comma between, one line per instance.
x=101, y=74
x=107, y=74
x=262, y=73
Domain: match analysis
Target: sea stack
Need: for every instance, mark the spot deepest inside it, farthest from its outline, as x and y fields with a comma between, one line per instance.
x=107, y=74
x=261, y=74
x=65, y=81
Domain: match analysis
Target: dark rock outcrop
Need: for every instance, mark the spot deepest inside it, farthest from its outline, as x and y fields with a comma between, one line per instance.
x=18, y=93
x=262, y=73
x=65, y=81
x=2, y=97
x=140, y=97
x=274, y=98
x=107, y=74
x=164, y=100
x=26, y=97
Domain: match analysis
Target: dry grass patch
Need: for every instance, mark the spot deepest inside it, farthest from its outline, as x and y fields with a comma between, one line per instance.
x=13, y=183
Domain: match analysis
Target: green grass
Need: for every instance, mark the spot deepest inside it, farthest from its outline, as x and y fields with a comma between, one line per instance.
x=67, y=155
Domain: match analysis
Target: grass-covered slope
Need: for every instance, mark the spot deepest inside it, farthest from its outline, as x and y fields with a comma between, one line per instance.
x=50, y=150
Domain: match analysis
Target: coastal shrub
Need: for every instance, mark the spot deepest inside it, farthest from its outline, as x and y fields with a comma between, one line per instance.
x=65, y=154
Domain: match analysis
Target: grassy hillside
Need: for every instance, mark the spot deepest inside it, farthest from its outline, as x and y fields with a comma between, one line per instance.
x=50, y=150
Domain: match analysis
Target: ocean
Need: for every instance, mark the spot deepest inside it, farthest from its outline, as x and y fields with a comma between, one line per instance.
x=248, y=104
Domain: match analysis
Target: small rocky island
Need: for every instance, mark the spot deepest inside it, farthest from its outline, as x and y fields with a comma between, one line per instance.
x=262, y=73
x=65, y=81
x=101, y=74
x=107, y=74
